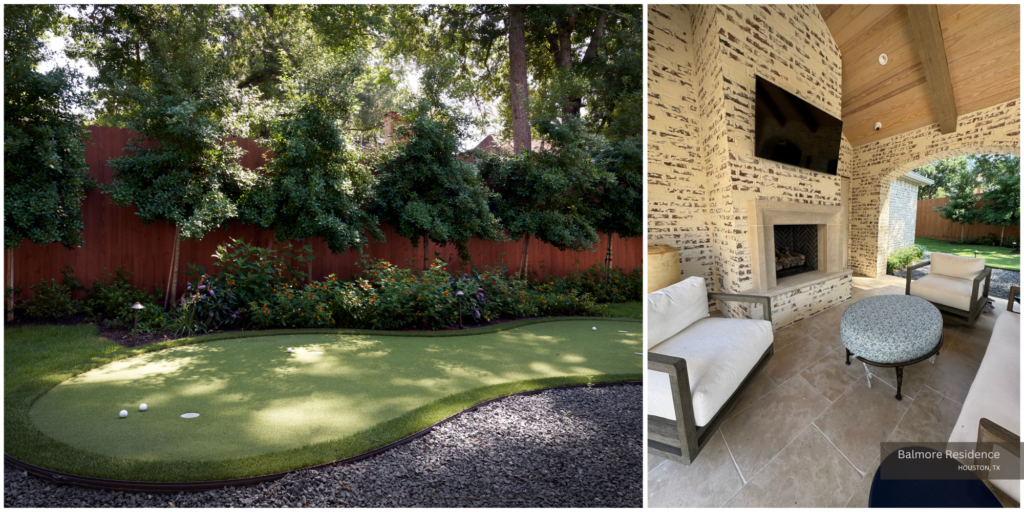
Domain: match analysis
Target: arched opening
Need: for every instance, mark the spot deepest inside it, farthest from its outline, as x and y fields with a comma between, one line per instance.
x=886, y=207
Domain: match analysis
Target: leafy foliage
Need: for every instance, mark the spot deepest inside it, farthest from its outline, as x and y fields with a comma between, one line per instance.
x=425, y=190
x=1001, y=198
x=53, y=300
x=604, y=285
x=962, y=205
x=45, y=174
x=622, y=204
x=183, y=168
x=315, y=186
x=548, y=193
x=252, y=272
x=111, y=296
x=903, y=257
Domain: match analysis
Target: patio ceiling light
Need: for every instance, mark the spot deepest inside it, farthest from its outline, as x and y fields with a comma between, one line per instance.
x=883, y=59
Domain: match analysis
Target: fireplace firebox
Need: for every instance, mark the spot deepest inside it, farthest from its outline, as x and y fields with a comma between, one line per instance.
x=796, y=249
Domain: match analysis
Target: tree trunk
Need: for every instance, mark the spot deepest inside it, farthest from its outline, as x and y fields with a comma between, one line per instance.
x=961, y=232
x=1002, y=231
x=174, y=264
x=425, y=265
x=523, y=270
x=309, y=271
x=169, y=292
x=608, y=259
x=520, y=93
x=10, y=285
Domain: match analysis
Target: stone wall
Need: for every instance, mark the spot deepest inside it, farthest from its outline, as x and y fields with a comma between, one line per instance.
x=877, y=164
x=676, y=183
x=902, y=215
x=702, y=171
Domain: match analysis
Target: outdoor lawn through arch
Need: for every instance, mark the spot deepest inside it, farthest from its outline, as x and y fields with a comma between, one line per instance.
x=264, y=409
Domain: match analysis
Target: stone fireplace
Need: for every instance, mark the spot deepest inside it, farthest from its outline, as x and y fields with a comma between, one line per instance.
x=794, y=245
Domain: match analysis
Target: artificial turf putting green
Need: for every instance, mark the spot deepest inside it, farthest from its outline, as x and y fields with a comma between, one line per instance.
x=263, y=409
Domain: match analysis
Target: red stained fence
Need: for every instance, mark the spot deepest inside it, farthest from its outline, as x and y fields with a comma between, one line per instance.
x=115, y=236
x=931, y=225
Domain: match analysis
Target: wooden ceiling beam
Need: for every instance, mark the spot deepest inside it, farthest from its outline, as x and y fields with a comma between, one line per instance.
x=924, y=21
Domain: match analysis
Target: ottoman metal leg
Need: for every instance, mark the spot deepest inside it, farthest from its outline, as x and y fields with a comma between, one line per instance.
x=899, y=383
x=868, y=374
x=848, y=354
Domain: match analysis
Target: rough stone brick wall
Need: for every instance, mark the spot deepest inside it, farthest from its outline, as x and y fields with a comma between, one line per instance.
x=676, y=183
x=902, y=215
x=877, y=164
x=714, y=60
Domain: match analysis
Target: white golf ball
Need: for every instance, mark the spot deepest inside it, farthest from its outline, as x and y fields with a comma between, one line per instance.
x=124, y=413
x=142, y=407
x=289, y=349
x=594, y=328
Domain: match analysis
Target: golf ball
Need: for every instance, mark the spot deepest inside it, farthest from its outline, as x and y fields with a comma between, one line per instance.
x=289, y=349
x=142, y=407
x=594, y=328
x=124, y=413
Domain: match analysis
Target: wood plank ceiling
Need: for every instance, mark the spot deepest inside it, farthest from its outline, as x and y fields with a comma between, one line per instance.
x=982, y=44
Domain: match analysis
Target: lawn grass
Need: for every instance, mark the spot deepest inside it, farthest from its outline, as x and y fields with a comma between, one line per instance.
x=995, y=257
x=265, y=410
x=625, y=310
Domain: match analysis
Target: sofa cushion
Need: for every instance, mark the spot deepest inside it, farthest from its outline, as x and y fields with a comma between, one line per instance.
x=960, y=267
x=719, y=353
x=672, y=309
x=995, y=392
x=945, y=290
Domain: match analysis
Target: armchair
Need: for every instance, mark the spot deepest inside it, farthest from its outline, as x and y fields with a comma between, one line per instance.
x=698, y=365
x=954, y=285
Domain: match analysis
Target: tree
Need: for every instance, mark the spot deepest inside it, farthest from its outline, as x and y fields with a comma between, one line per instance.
x=962, y=205
x=940, y=172
x=519, y=89
x=45, y=174
x=621, y=203
x=183, y=105
x=315, y=185
x=426, y=191
x=549, y=193
x=1001, y=199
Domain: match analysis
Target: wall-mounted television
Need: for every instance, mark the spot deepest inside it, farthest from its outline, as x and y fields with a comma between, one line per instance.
x=791, y=131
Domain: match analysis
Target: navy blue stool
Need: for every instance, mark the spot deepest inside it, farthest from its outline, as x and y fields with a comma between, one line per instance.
x=954, y=491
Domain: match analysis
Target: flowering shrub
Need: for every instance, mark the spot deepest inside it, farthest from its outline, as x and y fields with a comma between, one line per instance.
x=292, y=307
x=604, y=285
x=211, y=299
x=254, y=272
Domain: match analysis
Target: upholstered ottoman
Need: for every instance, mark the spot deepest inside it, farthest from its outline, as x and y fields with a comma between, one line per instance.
x=891, y=331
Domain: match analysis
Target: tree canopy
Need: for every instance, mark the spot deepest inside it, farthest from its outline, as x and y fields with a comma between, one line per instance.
x=426, y=191
x=45, y=174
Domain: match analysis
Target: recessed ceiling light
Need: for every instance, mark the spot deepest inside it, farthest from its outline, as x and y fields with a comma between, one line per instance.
x=883, y=59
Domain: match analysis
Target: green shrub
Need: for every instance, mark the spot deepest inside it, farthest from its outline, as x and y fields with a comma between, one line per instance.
x=254, y=272
x=603, y=284
x=211, y=300
x=292, y=307
x=903, y=258
x=52, y=300
x=111, y=297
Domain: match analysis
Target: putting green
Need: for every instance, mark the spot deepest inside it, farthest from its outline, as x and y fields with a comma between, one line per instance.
x=254, y=398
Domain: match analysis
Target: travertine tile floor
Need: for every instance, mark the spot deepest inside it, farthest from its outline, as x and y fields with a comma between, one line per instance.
x=806, y=433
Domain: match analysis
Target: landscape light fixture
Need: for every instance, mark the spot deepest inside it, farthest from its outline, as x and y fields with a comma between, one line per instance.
x=975, y=253
x=135, y=330
x=459, y=294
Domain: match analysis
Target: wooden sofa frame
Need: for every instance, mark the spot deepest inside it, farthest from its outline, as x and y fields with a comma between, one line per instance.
x=989, y=435
x=682, y=440
x=978, y=301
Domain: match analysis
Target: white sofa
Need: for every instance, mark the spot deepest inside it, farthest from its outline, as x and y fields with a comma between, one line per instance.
x=954, y=284
x=995, y=392
x=697, y=364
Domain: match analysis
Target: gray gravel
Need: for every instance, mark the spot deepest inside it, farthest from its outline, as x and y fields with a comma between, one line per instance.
x=561, y=448
x=999, y=288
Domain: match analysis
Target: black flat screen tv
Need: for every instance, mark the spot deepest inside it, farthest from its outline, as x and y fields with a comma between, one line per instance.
x=789, y=130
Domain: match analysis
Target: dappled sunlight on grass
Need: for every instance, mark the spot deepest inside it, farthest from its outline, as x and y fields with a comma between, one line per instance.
x=254, y=397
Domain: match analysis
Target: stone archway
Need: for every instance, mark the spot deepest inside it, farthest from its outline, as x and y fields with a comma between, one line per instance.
x=995, y=130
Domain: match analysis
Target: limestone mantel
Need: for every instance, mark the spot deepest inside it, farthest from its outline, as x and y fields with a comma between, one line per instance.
x=764, y=215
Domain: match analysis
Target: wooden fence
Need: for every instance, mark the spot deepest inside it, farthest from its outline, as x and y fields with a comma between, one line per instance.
x=931, y=225
x=115, y=236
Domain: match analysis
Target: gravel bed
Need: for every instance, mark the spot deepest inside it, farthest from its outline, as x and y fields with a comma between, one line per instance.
x=579, y=447
x=999, y=288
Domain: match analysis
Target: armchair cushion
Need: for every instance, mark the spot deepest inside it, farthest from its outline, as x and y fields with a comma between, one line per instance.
x=719, y=354
x=945, y=290
x=672, y=309
x=960, y=267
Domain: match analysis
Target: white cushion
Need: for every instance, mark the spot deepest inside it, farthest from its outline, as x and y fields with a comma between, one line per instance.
x=995, y=392
x=672, y=309
x=945, y=290
x=960, y=267
x=719, y=353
